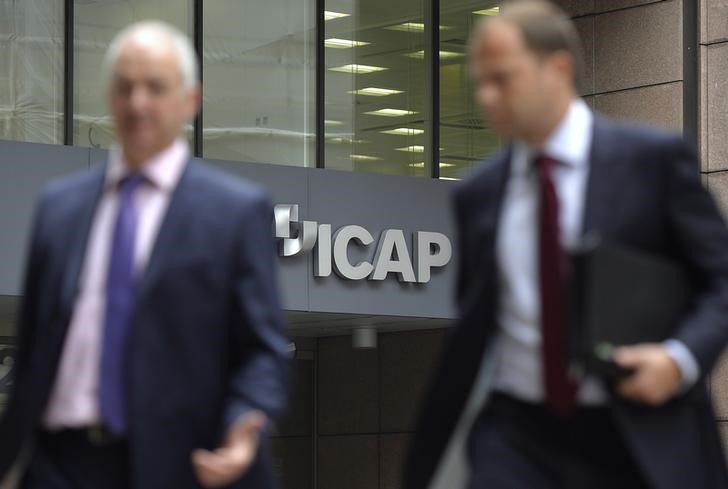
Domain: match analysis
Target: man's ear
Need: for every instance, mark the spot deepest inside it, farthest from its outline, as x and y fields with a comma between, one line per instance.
x=195, y=101
x=563, y=63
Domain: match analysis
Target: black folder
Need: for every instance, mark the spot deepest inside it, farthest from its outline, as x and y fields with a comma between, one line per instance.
x=620, y=296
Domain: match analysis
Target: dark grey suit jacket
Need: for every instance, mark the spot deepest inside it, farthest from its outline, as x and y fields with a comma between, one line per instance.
x=208, y=339
x=644, y=191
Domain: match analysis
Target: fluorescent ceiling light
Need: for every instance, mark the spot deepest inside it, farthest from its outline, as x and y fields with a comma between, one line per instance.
x=358, y=69
x=450, y=54
x=421, y=164
x=346, y=140
x=337, y=43
x=375, y=92
x=448, y=178
x=330, y=122
x=412, y=27
x=329, y=15
x=415, y=148
x=404, y=131
x=391, y=112
x=488, y=11
x=364, y=157
x=443, y=55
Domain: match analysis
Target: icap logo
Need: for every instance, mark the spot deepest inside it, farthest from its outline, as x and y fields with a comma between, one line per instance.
x=330, y=250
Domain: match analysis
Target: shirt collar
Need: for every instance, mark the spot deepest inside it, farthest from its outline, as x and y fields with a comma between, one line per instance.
x=569, y=143
x=163, y=170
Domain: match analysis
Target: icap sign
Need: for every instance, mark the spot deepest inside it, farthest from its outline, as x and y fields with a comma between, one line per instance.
x=330, y=249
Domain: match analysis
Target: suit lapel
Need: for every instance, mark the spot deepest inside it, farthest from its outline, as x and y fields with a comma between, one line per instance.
x=79, y=230
x=173, y=225
x=494, y=191
x=607, y=169
x=487, y=208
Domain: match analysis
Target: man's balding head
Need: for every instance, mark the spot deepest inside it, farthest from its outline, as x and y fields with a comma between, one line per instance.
x=153, y=88
x=525, y=63
x=546, y=29
x=161, y=34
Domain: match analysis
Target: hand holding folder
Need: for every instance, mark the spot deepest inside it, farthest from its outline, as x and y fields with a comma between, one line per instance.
x=619, y=296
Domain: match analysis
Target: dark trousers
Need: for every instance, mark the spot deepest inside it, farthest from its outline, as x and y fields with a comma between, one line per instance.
x=518, y=445
x=77, y=459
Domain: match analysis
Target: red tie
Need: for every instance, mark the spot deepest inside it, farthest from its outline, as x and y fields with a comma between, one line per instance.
x=560, y=390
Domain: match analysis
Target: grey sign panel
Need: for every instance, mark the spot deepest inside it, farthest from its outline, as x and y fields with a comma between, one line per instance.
x=378, y=203
x=24, y=171
x=330, y=277
x=97, y=157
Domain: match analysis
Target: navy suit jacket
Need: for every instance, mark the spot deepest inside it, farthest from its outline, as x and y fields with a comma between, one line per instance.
x=644, y=191
x=208, y=338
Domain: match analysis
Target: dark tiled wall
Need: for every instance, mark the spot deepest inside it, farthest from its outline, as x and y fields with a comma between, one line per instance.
x=292, y=444
x=368, y=401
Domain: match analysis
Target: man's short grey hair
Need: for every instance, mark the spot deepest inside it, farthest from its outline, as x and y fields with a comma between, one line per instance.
x=186, y=55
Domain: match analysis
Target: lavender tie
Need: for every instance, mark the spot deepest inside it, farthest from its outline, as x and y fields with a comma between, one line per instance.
x=119, y=306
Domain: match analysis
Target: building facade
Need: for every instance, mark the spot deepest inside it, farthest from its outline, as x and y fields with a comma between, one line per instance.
x=356, y=114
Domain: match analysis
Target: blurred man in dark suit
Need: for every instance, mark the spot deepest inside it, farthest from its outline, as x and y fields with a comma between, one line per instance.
x=152, y=347
x=503, y=395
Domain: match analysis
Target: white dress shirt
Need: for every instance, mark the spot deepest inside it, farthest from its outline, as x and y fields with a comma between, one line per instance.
x=74, y=398
x=519, y=358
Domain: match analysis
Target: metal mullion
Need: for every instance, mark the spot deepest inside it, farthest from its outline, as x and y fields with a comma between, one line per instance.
x=68, y=67
x=433, y=76
x=320, y=84
x=197, y=40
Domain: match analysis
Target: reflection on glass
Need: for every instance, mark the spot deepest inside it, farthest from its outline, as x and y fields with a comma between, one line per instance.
x=8, y=351
x=31, y=71
x=97, y=22
x=464, y=136
x=375, y=102
x=259, y=81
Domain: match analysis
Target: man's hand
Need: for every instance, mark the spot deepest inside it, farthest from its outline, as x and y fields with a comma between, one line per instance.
x=226, y=464
x=656, y=377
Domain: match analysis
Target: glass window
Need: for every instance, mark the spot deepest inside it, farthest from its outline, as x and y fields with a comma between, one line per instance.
x=97, y=22
x=259, y=81
x=376, y=78
x=464, y=137
x=31, y=70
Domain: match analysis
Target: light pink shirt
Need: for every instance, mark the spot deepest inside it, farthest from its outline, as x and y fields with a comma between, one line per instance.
x=73, y=402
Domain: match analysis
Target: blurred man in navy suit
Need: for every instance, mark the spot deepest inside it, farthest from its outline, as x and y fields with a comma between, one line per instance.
x=152, y=347
x=504, y=398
